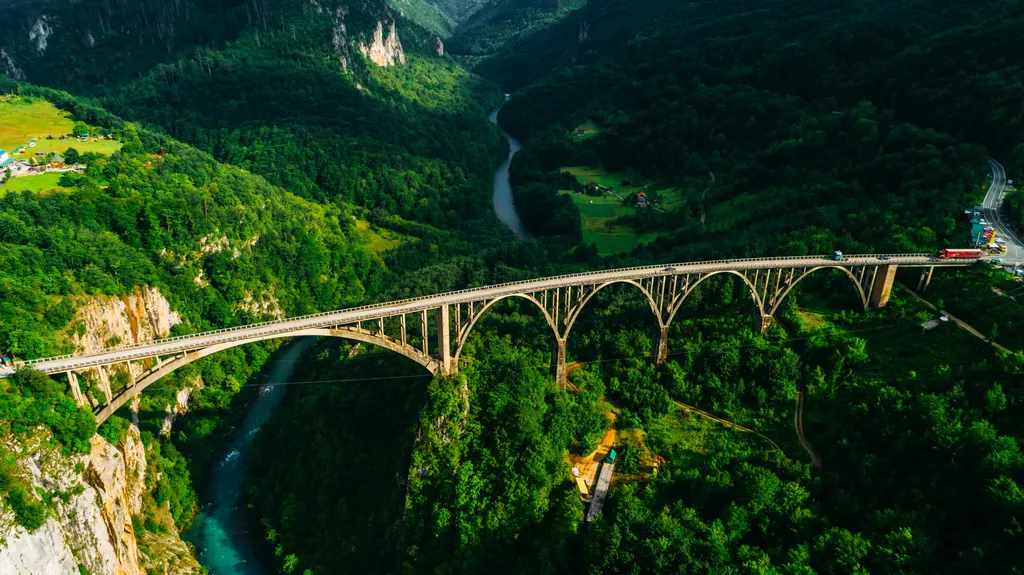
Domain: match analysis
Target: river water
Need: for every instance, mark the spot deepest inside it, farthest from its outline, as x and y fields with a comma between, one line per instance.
x=219, y=531
x=504, y=207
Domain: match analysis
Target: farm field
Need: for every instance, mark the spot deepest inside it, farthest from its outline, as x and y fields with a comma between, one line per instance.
x=36, y=184
x=24, y=119
x=670, y=197
x=597, y=214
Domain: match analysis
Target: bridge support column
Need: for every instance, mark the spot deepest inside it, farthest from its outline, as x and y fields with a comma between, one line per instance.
x=762, y=323
x=926, y=279
x=659, y=351
x=558, y=362
x=883, y=286
x=76, y=390
x=444, y=340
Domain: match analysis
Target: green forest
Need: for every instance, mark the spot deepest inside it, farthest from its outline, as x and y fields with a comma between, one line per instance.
x=280, y=157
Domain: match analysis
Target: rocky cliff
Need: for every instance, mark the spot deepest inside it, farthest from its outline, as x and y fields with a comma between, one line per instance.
x=92, y=501
x=384, y=51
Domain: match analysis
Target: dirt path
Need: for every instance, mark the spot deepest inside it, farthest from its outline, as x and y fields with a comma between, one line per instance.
x=589, y=464
x=959, y=322
x=727, y=423
x=798, y=424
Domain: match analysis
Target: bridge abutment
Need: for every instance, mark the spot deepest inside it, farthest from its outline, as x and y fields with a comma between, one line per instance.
x=558, y=362
x=883, y=286
x=659, y=351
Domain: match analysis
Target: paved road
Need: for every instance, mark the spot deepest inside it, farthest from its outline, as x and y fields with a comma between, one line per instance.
x=992, y=203
x=290, y=327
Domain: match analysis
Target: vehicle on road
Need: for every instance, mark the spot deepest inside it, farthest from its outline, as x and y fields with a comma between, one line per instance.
x=883, y=258
x=838, y=256
x=965, y=254
x=670, y=270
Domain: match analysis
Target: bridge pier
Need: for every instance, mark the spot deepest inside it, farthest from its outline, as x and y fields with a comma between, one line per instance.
x=444, y=340
x=926, y=279
x=762, y=323
x=659, y=350
x=558, y=362
x=76, y=390
x=883, y=286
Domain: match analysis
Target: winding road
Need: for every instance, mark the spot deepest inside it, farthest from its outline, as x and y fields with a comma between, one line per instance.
x=993, y=201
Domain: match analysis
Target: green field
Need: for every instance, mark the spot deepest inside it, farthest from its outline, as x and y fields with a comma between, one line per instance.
x=690, y=437
x=670, y=197
x=36, y=184
x=378, y=240
x=24, y=119
x=590, y=129
x=599, y=212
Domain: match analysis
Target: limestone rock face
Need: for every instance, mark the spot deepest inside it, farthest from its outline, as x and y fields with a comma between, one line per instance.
x=140, y=316
x=105, y=322
x=95, y=496
x=382, y=51
x=8, y=67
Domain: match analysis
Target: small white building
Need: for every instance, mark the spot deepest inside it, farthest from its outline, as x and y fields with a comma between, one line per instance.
x=3, y=156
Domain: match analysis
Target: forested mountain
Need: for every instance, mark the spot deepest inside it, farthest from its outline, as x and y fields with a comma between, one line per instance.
x=289, y=156
x=289, y=90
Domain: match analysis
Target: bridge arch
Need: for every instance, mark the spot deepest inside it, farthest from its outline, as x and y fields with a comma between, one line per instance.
x=163, y=369
x=583, y=304
x=856, y=284
x=463, y=336
x=677, y=304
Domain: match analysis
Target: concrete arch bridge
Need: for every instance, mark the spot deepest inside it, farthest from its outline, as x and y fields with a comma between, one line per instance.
x=432, y=330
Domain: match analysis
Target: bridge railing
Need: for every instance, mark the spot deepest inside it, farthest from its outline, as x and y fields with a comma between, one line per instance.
x=712, y=264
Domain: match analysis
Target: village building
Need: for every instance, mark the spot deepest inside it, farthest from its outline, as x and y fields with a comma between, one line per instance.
x=31, y=143
x=3, y=156
x=57, y=161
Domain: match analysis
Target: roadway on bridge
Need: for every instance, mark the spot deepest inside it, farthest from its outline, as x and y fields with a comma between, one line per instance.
x=993, y=202
x=295, y=326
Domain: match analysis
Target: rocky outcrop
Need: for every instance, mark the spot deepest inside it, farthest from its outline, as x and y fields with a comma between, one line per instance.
x=384, y=51
x=166, y=553
x=439, y=46
x=9, y=68
x=105, y=322
x=93, y=500
x=180, y=406
x=261, y=306
x=40, y=33
x=142, y=315
x=340, y=38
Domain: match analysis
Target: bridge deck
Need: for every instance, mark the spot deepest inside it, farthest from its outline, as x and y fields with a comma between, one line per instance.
x=255, y=332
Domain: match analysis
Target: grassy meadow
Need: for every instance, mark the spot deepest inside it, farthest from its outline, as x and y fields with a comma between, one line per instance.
x=24, y=119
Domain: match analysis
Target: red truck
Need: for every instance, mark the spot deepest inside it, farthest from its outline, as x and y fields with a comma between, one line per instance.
x=960, y=254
